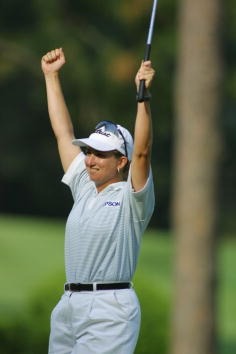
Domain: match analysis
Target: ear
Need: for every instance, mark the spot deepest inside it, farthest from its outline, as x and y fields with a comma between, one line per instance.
x=123, y=160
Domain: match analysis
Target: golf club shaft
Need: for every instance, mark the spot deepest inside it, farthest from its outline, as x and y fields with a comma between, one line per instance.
x=142, y=94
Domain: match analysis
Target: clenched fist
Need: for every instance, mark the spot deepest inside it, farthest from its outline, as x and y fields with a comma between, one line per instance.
x=53, y=61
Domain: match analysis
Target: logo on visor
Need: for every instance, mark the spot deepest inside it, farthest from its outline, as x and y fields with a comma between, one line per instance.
x=102, y=132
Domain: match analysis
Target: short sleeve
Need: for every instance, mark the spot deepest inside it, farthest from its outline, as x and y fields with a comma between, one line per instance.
x=143, y=201
x=76, y=175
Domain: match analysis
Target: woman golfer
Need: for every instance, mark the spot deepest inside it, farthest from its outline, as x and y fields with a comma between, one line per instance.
x=111, y=182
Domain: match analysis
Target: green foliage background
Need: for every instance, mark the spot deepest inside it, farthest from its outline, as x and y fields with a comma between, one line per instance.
x=104, y=43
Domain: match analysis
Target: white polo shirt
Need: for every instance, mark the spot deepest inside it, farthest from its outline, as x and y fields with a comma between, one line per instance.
x=104, y=230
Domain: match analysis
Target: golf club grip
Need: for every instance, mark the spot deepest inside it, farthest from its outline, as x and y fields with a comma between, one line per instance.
x=142, y=94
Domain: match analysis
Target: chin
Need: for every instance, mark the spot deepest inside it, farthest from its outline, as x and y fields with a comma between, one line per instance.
x=94, y=179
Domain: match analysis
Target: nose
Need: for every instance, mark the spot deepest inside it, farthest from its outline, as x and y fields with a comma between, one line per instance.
x=90, y=158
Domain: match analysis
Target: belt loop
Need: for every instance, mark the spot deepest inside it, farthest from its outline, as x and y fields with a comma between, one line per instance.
x=94, y=286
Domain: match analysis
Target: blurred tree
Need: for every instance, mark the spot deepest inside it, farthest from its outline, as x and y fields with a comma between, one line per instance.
x=197, y=157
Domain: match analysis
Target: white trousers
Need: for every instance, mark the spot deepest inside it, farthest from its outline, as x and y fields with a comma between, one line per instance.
x=95, y=322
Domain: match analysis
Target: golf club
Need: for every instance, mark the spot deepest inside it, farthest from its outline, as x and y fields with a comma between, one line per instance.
x=142, y=94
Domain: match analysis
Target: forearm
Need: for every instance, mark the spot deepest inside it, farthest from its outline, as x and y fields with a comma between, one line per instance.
x=57, y=109
x=143, y=130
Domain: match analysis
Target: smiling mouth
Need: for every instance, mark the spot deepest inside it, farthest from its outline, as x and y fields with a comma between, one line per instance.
x=92, y=170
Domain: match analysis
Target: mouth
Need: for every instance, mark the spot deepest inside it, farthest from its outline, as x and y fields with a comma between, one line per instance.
x=92, y=170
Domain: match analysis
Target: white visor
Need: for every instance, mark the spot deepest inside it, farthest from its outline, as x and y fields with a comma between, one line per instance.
x=104, y=140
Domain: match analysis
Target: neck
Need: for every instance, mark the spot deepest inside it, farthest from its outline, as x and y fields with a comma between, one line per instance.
x=102, y=186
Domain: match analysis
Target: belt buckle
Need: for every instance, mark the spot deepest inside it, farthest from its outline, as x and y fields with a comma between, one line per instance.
x=94, y=286
x=68, y=286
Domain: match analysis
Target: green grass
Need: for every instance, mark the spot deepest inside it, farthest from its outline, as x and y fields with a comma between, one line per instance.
x=156, y=259
x=31, y=250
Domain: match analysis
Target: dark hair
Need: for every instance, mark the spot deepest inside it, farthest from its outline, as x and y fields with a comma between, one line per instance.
x=125, y=170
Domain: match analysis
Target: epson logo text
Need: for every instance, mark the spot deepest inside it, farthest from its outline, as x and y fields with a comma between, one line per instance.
x=112, y=204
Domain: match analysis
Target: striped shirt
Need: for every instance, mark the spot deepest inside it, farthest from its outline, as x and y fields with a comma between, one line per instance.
x=104, y=230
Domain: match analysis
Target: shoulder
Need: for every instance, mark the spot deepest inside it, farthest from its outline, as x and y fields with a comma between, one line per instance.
x=75, y=168
x=76, y=176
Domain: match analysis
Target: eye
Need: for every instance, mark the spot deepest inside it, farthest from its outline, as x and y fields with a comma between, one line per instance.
x=87, y=151
x=100, y=154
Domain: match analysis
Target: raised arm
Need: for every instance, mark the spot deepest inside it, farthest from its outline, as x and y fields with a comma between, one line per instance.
x=141, y=158
x=51, y=64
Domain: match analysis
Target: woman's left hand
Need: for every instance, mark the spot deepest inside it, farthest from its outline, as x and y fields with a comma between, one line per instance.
x=145, y=72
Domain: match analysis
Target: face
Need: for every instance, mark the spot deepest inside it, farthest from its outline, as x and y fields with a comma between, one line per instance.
x=102, y=167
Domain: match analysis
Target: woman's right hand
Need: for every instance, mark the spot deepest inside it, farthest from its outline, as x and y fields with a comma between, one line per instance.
x=53, y=61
